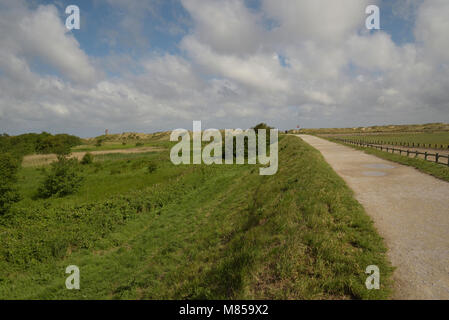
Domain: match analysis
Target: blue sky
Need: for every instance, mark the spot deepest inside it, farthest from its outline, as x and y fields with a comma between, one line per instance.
x=158, y=65
x=99, y=16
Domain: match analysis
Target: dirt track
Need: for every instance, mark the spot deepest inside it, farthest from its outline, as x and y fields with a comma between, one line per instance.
x=409, y=209
x=41, y=159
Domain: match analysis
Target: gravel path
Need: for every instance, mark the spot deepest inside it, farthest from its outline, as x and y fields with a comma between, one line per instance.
x=410, y=210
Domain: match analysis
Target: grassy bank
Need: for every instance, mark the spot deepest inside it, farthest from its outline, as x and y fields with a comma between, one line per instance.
x=220, y=231
x=440, y=171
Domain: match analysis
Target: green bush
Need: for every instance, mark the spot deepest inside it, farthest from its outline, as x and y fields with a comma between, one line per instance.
x=88, y=158
x=38, y=143
x=62, y=179
x=152, y=167
x=115, y=171
x=245, y=142
x=139, y=144
x=9, y=166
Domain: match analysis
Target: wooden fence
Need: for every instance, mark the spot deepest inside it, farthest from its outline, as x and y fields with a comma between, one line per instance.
x=436, y=156
x=411, y=144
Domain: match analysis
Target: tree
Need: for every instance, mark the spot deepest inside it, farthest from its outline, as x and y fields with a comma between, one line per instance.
x=9, y=166
x=88, y=158
x=62, y=179
x=152, y=167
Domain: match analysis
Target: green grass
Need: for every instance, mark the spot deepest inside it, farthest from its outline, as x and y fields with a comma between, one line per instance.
x=195, y=232
x=440, y=171
x=110, y=174
x=435, y=138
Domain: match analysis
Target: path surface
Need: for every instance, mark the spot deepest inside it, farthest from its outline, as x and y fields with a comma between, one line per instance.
x=410, y=210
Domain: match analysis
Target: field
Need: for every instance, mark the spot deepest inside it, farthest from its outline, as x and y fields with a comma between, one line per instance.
x=438, y=140
x=193, y=232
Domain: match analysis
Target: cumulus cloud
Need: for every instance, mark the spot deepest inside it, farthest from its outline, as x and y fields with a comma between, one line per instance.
x=39, y=34
x=285, y=62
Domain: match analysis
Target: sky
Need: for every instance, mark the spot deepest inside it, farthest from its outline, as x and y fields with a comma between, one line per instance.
x=158, y=65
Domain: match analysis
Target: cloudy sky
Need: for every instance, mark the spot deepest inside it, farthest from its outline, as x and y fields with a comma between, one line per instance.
x=147, y=66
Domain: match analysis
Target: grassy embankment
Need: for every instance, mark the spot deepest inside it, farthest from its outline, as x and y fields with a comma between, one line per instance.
x=193, y=232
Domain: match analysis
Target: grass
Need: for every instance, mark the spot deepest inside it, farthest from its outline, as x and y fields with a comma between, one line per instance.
x=440, y=171
x=194, y=232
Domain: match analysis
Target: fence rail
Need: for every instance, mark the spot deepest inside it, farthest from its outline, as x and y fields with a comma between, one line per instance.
x=409, y=144
x=436, y=156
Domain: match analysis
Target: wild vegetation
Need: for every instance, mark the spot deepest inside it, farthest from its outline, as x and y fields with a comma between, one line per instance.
x=9, y=165
x=141, y=227
x=62, y=179
x=125, y=140
x=42, y=143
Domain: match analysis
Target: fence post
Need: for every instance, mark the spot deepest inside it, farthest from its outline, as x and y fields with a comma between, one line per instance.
x=425, y=155
x=436, y=157
x=408, y=153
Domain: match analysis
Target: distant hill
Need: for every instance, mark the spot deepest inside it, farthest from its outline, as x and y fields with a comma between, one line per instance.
x=428, y=127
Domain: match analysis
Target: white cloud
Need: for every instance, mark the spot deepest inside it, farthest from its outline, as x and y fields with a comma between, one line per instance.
x=432, y=25
x=314, y=66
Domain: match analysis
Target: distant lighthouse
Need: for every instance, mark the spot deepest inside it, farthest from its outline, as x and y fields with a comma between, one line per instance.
x=106, y=132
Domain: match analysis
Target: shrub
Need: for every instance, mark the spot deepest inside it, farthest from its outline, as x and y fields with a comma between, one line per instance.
x=139, y=144
x=88, y=158
x=37, y=143
x=152, y=167
x=9, y=166
x=245, y=141
x=116, y=171
x=62, y=179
